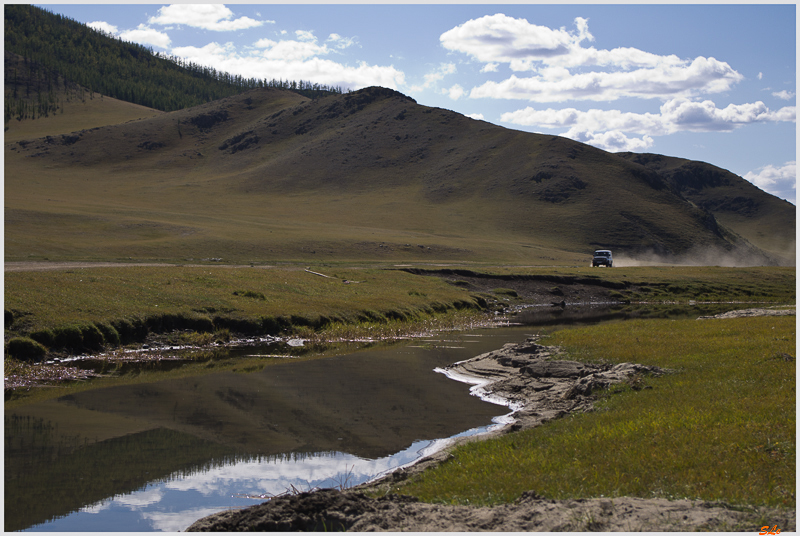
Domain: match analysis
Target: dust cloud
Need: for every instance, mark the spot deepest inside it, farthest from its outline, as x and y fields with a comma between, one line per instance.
x=705, y=256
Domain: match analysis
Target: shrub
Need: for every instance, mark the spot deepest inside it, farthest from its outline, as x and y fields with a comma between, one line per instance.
x=45, y=337
x=368, y=315
x=68, y=337
x=272, y=325
x=222, y=336
x=92, y=337
x=130, y=330
x=25, y=349
x=110, y=334
x=9, y=318
x=196, y=339
x=197, y=323
x=297, y=320
x=163, y=323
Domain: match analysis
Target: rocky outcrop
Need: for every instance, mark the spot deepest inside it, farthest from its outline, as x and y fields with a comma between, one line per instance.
x=537, y=384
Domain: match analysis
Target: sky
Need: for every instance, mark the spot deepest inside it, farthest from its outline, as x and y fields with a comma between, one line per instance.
x=713, y=82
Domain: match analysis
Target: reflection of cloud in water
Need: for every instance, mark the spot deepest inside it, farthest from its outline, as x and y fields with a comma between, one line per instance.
x=179, y=500
x=140, y=499
x=96, y=508
x=303, y=472
x=134, y=501
x=177, y=521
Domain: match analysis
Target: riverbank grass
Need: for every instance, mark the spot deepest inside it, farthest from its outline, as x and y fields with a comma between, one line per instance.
x=87, y=308
x=720, y=427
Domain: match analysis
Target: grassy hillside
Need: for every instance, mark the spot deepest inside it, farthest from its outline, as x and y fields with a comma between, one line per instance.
x=65, y=107
x=371, y=175
x=739, y=205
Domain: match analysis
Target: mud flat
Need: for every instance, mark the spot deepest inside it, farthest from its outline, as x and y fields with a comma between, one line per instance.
x=537, y=388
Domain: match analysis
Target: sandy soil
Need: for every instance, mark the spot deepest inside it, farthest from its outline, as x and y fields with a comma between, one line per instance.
x=539, y=389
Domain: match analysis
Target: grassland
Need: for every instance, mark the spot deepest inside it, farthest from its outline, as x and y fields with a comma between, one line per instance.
x=77, y=114
x=245, y=299
x=721, y=427
x=251, y=299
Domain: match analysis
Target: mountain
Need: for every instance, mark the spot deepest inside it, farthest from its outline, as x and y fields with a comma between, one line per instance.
x=735, y=203
x=270, y=174
x=96, y=169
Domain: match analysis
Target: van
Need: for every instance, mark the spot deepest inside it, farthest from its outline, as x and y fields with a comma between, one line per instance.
x=602, y=257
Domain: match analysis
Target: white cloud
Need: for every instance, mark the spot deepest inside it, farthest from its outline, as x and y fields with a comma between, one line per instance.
x=785, y=95
x=705, y=116
x=499, y=38
x=675, y=115
x=779, y=181
x=476, y=116
x=557, y=84
x=214, y=17
x=290, y=51
x=607, y=128
x=146, y=36
x=291, y=60
x=613, y=140
x=103, y=27
x=455, y=92
x=438, y=74
x=304, y=35
x=561, y=65
x=341, y=42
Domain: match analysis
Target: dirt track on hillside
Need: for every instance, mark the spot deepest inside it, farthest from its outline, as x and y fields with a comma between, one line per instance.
x=540, y=390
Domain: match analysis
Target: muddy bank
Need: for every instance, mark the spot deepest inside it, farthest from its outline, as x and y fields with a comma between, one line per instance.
x=329, y=509
x=532, y=289
x=537, y=388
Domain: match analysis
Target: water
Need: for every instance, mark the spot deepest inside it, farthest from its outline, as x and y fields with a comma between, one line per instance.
x=158, y=456
x=173, y=504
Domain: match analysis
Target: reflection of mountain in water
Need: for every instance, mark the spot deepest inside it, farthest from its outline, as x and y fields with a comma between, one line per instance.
x=48, y=475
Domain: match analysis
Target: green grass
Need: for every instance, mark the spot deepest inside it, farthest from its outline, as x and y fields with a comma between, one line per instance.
x=720, y=428
x=59, y=305
x=69, y=307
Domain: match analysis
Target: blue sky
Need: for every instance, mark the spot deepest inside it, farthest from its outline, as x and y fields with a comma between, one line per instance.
x=713, y=82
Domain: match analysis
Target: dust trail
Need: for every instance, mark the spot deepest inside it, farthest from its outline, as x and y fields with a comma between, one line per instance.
x=704, y=256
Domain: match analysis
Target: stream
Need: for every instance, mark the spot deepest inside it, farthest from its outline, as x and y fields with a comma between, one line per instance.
x=157, y=456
